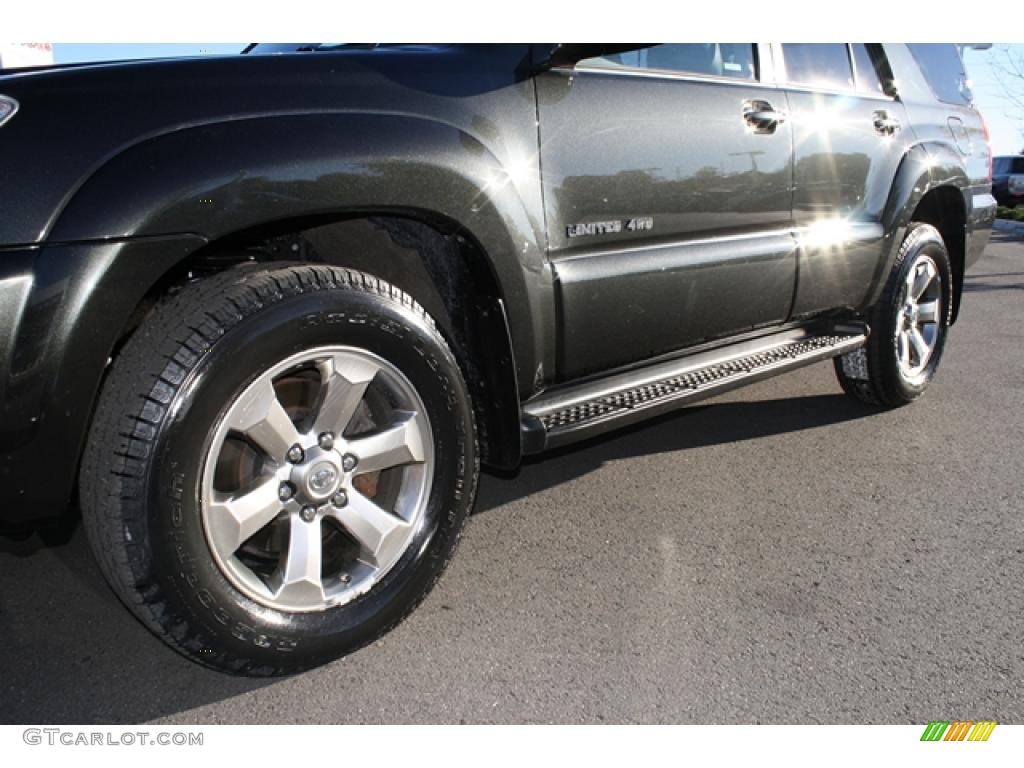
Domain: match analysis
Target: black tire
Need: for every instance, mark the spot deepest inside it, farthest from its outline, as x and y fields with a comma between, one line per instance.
x=140, y=476
x=873, y=373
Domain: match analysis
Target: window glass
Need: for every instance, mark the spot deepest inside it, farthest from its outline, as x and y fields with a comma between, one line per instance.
x=867, y=76
x=943, y=68
x=734, y=60
x=822, y=65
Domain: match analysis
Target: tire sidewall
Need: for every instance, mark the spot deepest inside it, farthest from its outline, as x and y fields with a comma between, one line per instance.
x=922, y=240
x=182, y=564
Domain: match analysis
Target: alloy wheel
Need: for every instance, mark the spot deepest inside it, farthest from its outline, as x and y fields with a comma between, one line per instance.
x=919, y=323
x=317, y=478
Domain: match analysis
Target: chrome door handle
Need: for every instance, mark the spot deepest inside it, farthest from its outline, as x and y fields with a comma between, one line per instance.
x=885, y=124
x=762, y=117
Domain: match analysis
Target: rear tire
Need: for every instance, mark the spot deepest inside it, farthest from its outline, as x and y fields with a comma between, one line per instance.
x=909, y=326
x=238, y=527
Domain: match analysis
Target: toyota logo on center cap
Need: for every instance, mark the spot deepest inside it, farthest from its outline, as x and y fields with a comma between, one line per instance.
x=323, y=478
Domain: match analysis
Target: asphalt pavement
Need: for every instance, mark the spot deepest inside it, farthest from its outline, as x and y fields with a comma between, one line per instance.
x=781, y=554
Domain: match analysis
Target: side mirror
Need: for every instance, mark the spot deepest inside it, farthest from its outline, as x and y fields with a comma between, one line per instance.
x=567, y=54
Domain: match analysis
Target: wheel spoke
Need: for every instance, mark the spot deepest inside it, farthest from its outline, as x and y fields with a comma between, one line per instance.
x=903, y=349
x=234, y=519
x=345, y=382
x=380, y=533
x=920, y=345
x=922, y=279
x=261, y=417
x=401, y=443
x=300, y=578
x=928, y=311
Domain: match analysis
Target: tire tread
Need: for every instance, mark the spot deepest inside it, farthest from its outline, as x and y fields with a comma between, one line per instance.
x=882, y=387
x=144, y=379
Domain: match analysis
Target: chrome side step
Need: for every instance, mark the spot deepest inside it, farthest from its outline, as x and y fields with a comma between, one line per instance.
x=580, y=411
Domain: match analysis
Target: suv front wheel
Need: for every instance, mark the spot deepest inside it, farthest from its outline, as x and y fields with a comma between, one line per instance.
x=280, y=466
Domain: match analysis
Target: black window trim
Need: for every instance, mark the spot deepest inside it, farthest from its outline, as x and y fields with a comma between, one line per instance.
x=856, y=90
x=770, y=62
x=760, y=51
x=857, y=82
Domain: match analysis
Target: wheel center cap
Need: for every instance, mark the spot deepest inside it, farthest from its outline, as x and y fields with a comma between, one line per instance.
x=318, y=478
x=322, y=480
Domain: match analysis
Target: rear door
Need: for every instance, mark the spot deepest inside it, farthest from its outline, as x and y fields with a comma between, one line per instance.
x=848, y=139
x=667, y=175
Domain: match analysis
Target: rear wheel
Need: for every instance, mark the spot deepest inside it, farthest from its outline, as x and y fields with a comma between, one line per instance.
x=280, y=467
x=908, y=326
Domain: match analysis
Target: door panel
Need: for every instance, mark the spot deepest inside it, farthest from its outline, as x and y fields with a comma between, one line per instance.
x=620, y=306
x=675, y=153
x=843, y=172
x=847, y=148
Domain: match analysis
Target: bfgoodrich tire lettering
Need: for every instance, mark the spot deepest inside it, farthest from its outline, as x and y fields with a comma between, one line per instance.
x=909, y=326
x=172, y=384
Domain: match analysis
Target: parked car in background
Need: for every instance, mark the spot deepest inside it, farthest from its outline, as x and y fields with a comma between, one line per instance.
x=264, y=316
x=1008, y=180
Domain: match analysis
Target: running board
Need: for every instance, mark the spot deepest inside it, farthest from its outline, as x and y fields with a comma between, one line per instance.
x=580, y=411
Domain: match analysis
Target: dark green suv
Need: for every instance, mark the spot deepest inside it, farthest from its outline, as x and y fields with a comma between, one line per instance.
x=264, y=316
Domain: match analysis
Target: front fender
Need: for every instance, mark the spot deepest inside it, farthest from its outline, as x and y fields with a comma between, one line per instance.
x=59, y=339
x=218, y=179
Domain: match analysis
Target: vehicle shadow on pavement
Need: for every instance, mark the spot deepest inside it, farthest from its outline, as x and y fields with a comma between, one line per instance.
x=972, y=284
x=75, y=655
x=693, y=427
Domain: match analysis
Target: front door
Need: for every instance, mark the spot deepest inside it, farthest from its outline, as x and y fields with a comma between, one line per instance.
x=667, y=180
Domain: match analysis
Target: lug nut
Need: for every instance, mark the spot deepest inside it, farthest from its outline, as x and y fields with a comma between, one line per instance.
x=296, y=454
x=348, y=462
x=285, y=492
x=340, y=499
x=308, y=514
x=326, y=440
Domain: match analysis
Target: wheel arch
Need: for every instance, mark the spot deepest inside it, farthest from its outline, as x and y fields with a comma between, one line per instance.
x=943, y=207
x=122, y=238
x=426, y=255
x=464, y=234
x=930, y=186
x=289, y=172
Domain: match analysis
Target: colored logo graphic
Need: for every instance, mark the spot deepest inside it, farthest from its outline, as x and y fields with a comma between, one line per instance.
x=958, y=730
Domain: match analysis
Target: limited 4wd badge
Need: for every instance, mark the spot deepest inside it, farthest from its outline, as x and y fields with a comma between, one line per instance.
x=639, y=224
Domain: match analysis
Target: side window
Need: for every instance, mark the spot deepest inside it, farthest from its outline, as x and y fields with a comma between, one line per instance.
x=867, y=76
x=732, y=60
x=819, y=65
x=943, y=68
x=1001, y=165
